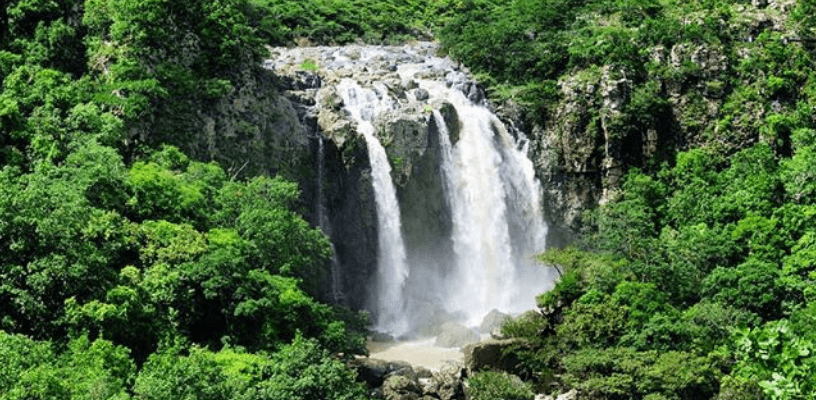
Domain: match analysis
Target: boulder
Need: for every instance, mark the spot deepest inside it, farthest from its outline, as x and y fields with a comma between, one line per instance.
x=374, y=372
x=447, y=383
x=490, y=355
x=423, y=373
x=428, y=318
x=494, y=319
x=453, y=334
x=397, y=387
x=421, y=94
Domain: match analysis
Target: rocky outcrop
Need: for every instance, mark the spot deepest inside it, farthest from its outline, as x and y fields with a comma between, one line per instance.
x=595, y=132
x=454, y=334
x=490, y=355
x=493, y=320
x=400, y=381
x=374, y=372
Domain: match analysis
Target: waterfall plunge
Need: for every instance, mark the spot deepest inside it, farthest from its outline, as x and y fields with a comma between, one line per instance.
x=493, y=199
x=492, y=190
x=364, y=105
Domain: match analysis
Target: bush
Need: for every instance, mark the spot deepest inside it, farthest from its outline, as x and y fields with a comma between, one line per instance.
x=491, y=385
x=305, y=371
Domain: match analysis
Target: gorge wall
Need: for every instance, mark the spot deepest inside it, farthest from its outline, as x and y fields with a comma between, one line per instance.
x=608, y=119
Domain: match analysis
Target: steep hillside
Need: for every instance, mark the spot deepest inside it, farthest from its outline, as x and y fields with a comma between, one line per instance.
x=691, y=125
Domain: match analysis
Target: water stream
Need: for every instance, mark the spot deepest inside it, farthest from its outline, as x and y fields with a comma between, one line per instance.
x=364, y=105
x=478, y=260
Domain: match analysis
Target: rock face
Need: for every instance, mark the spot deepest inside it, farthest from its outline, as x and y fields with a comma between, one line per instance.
x=251, y=130
x=591, y=136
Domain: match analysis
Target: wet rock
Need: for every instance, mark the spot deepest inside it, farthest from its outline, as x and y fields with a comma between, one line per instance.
x=490, y=355
x=404, y=134
x=428, y=319
x=451, y=118
x=395, y=86
x=421, y=94
x=403, y=369
x=353, y=53
x=493, y=319
x=476, y=94
x=381, y=337
x=300, y=80
x=302, y=97
x=374, y=372
x=453, y=334
x=398, y=387
x=447, y=383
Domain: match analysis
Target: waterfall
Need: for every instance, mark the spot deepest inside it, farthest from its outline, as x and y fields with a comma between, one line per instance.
x=490, y=189
x=471, y=205
x=364, y=105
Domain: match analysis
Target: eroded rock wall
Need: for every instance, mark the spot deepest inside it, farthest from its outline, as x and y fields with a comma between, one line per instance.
x=609, y=119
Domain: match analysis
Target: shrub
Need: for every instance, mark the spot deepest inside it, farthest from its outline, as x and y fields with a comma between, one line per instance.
x=490, y=385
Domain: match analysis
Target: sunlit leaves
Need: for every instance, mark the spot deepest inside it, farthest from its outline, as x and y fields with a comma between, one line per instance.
x=87, y=370
x=781, y=359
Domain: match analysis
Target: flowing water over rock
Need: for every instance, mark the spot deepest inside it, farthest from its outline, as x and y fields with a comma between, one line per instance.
x=458, y=206
x=364, y=105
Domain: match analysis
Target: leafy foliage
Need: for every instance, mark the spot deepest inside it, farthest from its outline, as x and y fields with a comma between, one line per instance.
x=490, y=385
x=120, y=255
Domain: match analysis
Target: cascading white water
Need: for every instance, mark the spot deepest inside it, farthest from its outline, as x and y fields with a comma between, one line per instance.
x=479, y=257
x=363, y=105
x=488, y=185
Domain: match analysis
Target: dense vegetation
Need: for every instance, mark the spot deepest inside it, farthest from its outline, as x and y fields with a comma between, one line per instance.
x=696, y=281
x=128, y=269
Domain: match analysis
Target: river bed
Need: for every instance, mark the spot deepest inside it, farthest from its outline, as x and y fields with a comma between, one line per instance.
x=420, y=353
